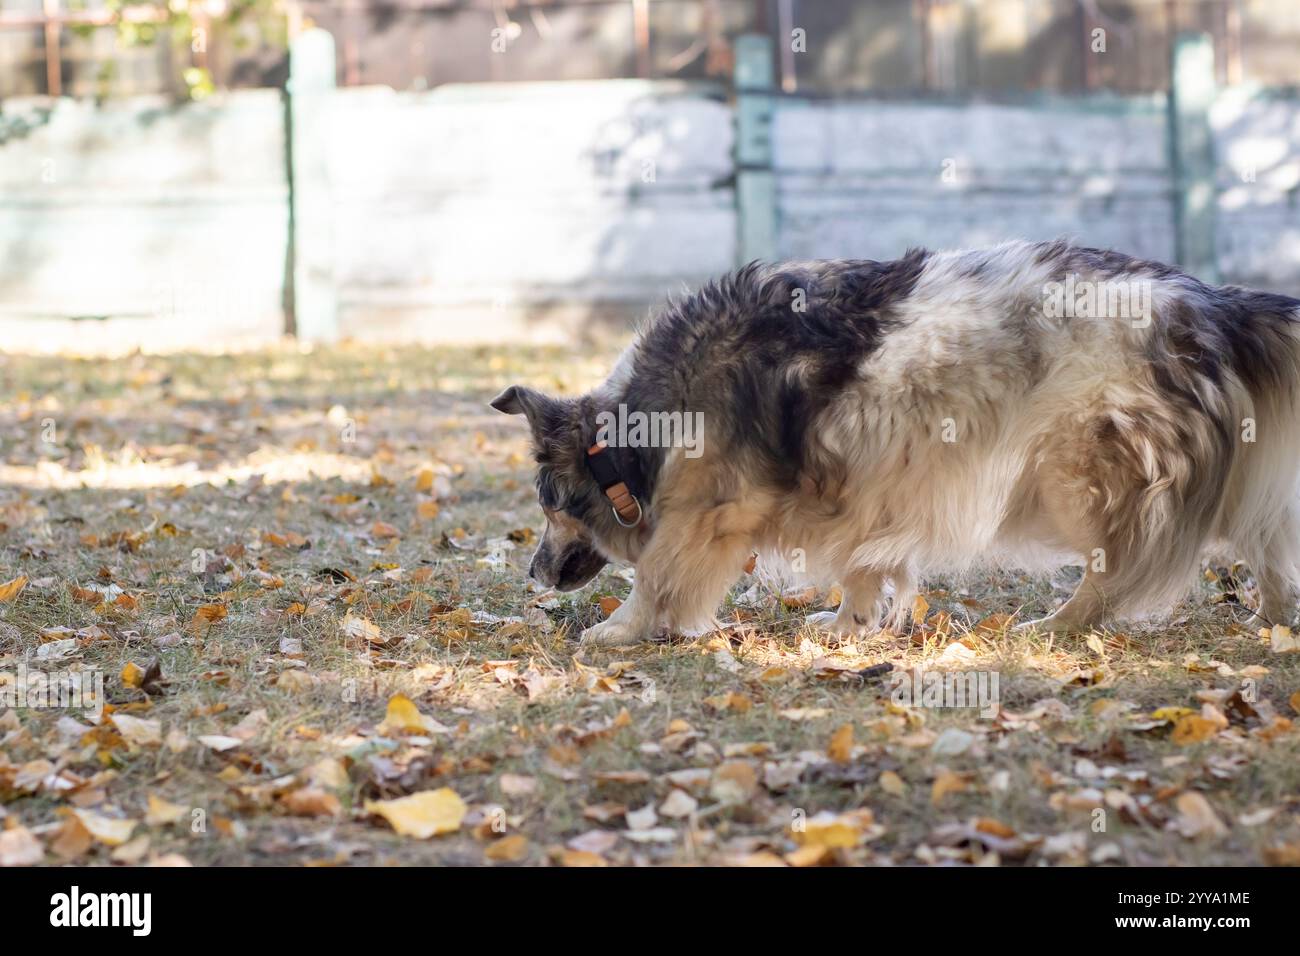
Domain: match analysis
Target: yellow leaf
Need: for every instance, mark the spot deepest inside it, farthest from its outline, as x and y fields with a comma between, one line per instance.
x=829, y=831
x=427, y=510
x=1171, y=713
x=581, y=858
x=509, y=849
x=422, y=815
x=132, y=676
x=1295, y=702
x=11, y=589
x=402, y=717
x=161, y=812
x=893, y=784
x=920, y=607
x=107, y=830
x=1192, y=729
x=424, y=481
x=946, y=782
x=840, y=748
x=811, y=855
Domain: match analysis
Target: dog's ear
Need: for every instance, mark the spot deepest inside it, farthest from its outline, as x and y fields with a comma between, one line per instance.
x=517, y=400
x=540, y=410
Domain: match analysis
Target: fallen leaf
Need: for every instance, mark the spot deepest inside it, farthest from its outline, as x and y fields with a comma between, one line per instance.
x=422, y=815
x=678, y=805
x=892, y=784
x=403, y=717
x=516, y=785
x=581, y=858
x=205, y=616
x=1196, y=818
x=946, y=782
x=733, y=782
x=132, y=851
x=19, y=848
x=138, y=731
x=311, y=802
x=132, y=675
x=111, y=831
x=10, y=590
x=1193, y=728
x=161, y=812
x=840, y=749
x=509, y=849
x=363, y=628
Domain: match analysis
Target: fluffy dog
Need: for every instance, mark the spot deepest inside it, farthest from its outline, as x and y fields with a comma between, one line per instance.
x=1030, y=404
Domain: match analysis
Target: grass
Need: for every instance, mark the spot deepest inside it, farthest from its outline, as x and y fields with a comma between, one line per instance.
x=358, y=524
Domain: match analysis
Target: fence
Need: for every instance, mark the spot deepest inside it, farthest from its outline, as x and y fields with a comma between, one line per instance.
x=522, y=211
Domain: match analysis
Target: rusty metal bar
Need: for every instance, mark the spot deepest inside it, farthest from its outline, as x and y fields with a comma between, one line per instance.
x=641, y=35
x=53, y=52
x=929, y=67
x=1232, y=34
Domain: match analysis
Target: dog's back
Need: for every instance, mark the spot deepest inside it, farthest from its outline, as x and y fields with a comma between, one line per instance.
x=1033, y=400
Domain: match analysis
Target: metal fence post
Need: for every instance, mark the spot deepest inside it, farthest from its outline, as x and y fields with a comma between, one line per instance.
x=1191, y=150
x=314, y=312
x=755, y=179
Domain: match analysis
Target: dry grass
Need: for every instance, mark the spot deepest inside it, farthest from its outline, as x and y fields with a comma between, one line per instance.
x=299, y=476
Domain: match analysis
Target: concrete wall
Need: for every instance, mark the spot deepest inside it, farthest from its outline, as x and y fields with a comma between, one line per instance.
x=1257, y=141
x=514, y=202
x=497, y=212
x=138, y=222
x=869, y=179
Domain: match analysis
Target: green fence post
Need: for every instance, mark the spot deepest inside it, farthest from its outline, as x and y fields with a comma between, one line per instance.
x=755, y=180
x=311, y=224
x=1191, y=147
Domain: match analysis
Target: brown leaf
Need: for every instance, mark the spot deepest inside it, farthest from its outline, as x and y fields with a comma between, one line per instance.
x=10, y=590
x=840, y=749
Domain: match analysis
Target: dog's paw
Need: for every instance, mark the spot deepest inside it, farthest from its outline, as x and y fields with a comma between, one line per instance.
x=1050, y=625
x=612, y=633
x=845, y=627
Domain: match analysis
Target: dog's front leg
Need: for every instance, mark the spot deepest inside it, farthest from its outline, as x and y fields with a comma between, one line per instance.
x=634, y=621
x=682, y=576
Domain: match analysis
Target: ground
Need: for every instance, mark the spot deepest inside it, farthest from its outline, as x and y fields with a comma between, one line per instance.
x=302, y=576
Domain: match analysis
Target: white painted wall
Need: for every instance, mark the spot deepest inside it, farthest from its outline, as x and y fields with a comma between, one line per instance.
x=495, y=212
x=1258, y=231
x=171, y=223
x=500, y=197
x=870, y=178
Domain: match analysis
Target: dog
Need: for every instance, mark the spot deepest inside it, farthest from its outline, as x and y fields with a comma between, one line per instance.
x=1028, y=405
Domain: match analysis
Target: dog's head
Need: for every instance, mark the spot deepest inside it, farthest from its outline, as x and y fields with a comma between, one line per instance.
x=578, y=535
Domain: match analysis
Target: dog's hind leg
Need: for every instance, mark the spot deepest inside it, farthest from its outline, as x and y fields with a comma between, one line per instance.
x=1274, y=565
x=900, y=614
x=859, y=611
x=1085, y=608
